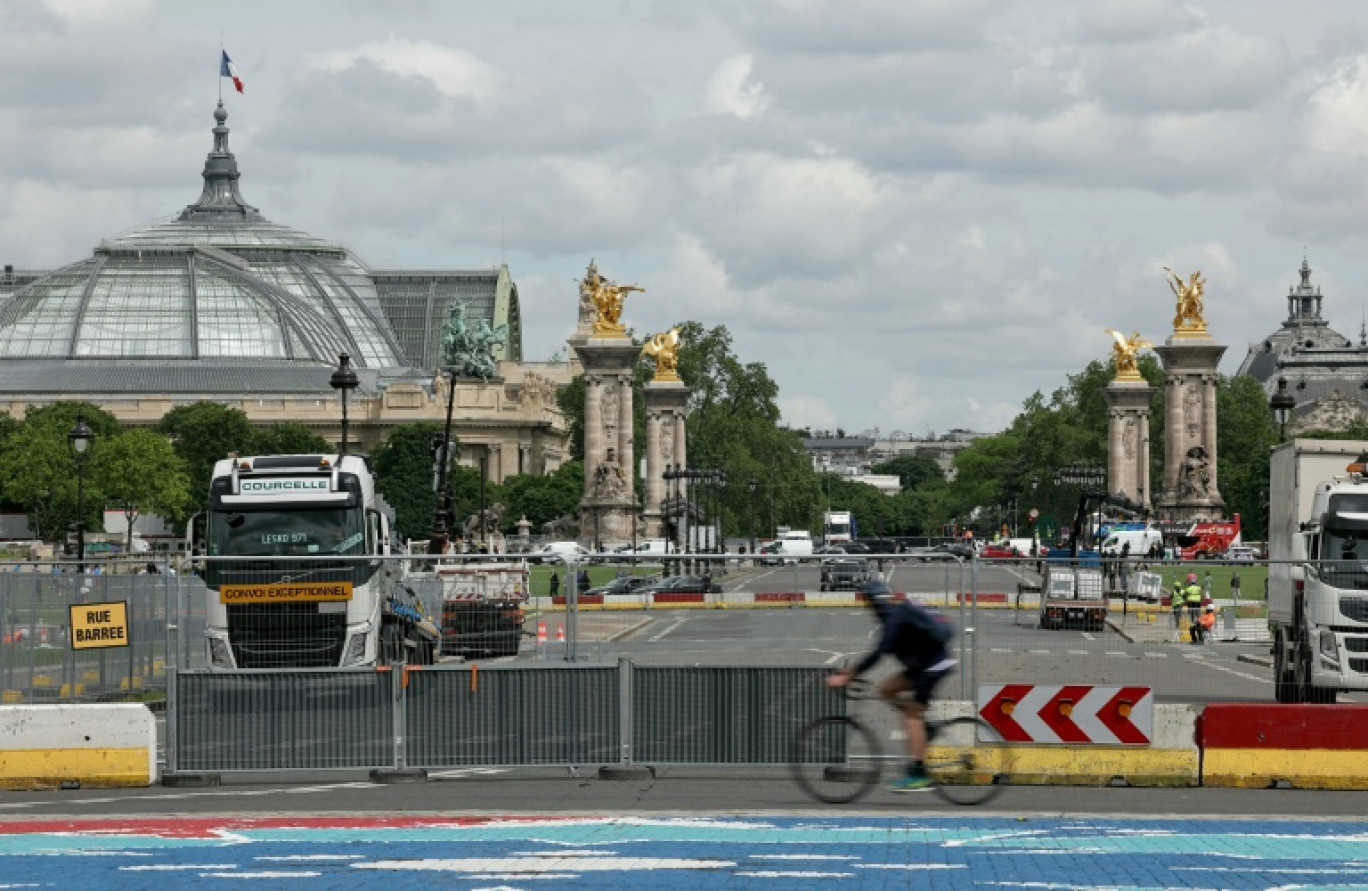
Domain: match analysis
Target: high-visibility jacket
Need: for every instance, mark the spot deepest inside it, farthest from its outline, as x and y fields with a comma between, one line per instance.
x=1207, y=620
x=1193, y=595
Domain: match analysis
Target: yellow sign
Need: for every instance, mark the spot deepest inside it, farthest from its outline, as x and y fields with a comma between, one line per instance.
x=286, y=592
x=99, y=625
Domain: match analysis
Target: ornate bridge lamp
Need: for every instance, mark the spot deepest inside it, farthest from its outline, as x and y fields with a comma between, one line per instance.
x=80, y=439
x=344, y=379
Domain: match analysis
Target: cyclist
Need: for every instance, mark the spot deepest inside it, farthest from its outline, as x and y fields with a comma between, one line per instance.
x=916, y=637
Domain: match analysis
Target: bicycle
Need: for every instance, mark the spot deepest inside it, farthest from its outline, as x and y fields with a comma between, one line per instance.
x=838, y=759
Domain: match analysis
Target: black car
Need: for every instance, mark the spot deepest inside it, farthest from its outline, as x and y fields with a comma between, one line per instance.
x=681, y=584
x=844, y=574
x=623, y=584
x=852, y=547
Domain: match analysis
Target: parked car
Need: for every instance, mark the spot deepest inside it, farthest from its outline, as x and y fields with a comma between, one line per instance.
x=680, y=584
x=768, y=554
x=559, y=552
x=846, y=574
x=623, y=584
x=853, y=547
x=1241, y=554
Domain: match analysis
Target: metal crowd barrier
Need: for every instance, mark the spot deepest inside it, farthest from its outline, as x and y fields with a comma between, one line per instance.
x=451, y=716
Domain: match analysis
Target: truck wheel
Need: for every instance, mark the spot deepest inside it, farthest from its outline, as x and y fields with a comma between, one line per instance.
x=1285, y=687
x=1308, y=691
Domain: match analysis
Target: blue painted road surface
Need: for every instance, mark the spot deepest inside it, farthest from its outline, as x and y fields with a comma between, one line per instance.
x=639, y=853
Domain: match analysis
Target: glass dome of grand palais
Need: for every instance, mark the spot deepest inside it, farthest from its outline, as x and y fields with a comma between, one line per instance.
x=220, y=300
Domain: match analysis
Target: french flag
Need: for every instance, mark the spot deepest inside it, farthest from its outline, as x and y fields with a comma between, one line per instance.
x=228, y=69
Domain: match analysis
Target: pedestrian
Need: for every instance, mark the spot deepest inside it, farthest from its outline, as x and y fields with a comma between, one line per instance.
x=555, y=583
x=1235, y=587
x=1206, y=585
x=1176, y=601
x=1202, y=628
x=1193, y=595
x=582, y=580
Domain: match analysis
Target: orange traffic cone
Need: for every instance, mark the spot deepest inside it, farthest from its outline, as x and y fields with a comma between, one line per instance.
x=541, y=634
x=560, y=633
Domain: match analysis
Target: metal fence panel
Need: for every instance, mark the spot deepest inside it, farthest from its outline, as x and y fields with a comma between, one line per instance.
x=460, y=715
x=37, y=661
x=725, y=715
x=283, y=720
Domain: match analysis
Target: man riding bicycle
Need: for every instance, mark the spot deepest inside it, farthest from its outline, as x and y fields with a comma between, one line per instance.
x=917, y=638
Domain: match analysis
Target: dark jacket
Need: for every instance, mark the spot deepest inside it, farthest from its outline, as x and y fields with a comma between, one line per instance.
x=912, y=634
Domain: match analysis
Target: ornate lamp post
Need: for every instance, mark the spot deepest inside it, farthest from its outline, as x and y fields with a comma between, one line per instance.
x=1282, y=404
x=80, y=439
x=344, y=379
x=750, y=514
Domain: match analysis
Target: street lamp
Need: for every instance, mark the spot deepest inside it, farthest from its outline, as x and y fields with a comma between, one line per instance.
x=750, y=513
x=80, y=440
x=1282, y=404
x=345, y=380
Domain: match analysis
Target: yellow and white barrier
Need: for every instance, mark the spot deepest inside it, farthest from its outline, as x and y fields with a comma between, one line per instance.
x=46, y=746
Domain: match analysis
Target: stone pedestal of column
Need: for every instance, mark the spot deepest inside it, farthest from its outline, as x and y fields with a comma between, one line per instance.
x=1191, y=490
x=666, y=446
x=1128, y=439
x=608, y=508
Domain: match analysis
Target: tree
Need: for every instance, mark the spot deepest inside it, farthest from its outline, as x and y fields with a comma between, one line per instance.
x=543, y=498
x=40, y=473
x=139, y=472
x=202, y=434
x=404, y=475
x=288, y=438
x=570, y=400
x=1245, y=433
x=733, y=425
x=913, y=470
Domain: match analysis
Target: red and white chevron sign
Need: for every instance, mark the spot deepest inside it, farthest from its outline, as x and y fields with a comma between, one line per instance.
x=1076, y=714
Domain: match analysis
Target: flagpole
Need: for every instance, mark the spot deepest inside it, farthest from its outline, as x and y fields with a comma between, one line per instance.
x=220, y=77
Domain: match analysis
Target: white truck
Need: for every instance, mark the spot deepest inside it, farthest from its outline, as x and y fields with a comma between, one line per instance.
x=328, y=596
x=1318, y=568
x=838, y=526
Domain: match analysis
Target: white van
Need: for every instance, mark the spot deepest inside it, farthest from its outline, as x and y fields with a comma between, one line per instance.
x=648, y=547
x=1140, y=541
x=795, y=543
x=559, y=552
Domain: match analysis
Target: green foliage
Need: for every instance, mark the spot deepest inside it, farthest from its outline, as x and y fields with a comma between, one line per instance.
x=288, y=438
x=542, y=498
x=1245, y=433
x=914, y=471
x=733, y=426
x=403, y=474
x=139, y=473
x=40, y=471
x=202, y=434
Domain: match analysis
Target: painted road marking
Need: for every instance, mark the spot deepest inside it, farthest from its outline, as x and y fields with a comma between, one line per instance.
x=677, y=623
x=734, y=852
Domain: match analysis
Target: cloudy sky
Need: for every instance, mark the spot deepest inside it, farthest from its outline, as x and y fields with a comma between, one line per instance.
x=916, y=213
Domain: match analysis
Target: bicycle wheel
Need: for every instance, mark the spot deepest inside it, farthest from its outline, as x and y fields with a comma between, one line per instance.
x=967, y=762
x=835, y=759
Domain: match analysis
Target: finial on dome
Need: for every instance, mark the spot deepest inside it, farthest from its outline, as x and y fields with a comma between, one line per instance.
x=220, y=198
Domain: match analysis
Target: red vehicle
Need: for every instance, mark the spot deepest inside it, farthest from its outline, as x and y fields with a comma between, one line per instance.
x=998, y=550
x=1208, y=541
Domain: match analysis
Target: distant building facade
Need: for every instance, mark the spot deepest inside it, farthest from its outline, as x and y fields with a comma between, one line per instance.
x=1326, y=372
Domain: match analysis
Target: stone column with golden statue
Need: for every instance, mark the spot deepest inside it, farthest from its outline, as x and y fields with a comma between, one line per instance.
x=666, y=402
x=1128, y=417
x=608, y=507
x=1190, y=357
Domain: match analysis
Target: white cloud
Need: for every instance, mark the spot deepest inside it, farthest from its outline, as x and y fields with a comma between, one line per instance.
x=731, y=90
x=97, y=14
x=452, y=72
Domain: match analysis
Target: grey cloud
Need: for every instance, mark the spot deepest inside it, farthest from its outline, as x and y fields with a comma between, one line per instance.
x=876, y=26
x=1136, y=19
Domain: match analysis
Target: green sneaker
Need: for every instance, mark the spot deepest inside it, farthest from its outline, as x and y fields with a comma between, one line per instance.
x=911, y=783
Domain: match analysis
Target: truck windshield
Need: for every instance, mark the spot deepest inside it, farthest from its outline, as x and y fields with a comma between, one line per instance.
x=298, y=532
x=1344, y=557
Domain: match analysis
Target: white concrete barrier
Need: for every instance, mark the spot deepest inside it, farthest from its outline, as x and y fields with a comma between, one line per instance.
x=46, y=746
